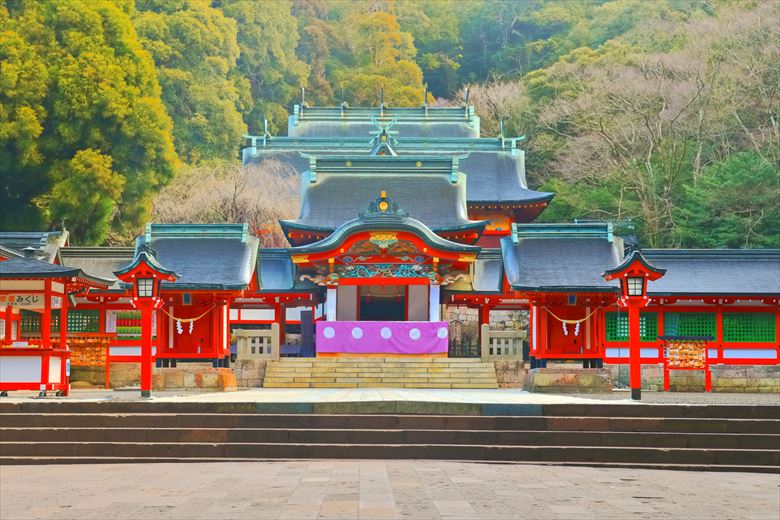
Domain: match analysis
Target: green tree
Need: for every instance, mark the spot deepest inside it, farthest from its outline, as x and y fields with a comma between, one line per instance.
x=195, y=50
x=381, y=55
x=24, y=82
x=735, y=203
x=101, y=96
x=85, y=194
x=267, y=37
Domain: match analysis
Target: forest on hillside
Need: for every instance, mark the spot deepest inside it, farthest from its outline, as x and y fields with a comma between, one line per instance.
x=662, y=116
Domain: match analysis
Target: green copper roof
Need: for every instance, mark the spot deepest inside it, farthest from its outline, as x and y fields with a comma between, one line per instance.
x=593, y=230
x=346, y=121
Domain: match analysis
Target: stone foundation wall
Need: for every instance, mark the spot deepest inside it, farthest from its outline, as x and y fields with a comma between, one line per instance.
x=250, y=373
x=122, y=375
x=568, y=380
x=725, y=378
x=510, y=374
x=499, y=320
x=194, y=378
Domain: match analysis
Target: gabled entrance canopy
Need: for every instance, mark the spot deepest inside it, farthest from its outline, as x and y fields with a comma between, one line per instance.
x=384, y=246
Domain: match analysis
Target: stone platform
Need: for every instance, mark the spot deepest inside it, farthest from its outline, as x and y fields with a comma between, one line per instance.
x=568, y=380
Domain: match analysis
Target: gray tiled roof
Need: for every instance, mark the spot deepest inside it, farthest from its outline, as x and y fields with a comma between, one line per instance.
x=715, y=271
x=488, y=274
x=46, y=243
x=205, y=256
x=99, y=261
x=277, y=273
x=560, y=264
x=17, y=268
x=20, y=267
x=492, y=176
x=335, y=199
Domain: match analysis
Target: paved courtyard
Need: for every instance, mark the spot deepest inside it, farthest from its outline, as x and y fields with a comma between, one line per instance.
x=379, y=489
x=323, y=395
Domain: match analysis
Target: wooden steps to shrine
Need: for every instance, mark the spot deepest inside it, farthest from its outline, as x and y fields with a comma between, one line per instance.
x=671, y=437
x=397, y=372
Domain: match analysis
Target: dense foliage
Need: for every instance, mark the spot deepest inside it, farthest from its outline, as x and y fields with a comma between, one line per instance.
x=664, y=113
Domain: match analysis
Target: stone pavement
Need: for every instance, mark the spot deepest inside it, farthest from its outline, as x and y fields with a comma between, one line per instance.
x=336, y=489
x=320, y=395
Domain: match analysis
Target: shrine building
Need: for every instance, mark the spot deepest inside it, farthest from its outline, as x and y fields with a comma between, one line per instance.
x=407, y=214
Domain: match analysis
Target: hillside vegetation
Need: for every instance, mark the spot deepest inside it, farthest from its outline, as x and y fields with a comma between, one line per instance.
x=661, y=116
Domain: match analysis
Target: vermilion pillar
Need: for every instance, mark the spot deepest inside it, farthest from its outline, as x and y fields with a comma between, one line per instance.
x=9, y=324
x=146, y=348
x=280, y=316
x=634, y=352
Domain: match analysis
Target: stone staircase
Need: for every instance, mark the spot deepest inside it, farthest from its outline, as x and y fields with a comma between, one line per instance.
x=367, y=372
x=724, y=438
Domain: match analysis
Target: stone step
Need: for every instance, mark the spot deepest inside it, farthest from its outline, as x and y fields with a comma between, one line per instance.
x=387, y=422
x=744, y=457
x=380, y=373
x=477, y=412
x=29, y=461
x=411, y=436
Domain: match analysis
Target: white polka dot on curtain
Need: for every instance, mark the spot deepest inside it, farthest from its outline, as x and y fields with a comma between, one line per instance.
x=414, y=333
x=386, y=333
x=442, y=332
x=329, y=332
x=357, y=333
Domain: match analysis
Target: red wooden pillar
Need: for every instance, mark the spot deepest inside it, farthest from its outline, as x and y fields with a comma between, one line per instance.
x=9, y=324
x=718, y=336
x=64, y=342
x=146, y=349
x=46, y=317
x=635, y=361
x=484, y=319
x=542, y=331
x=64, y=323
x=45, y=334
x=280, y=317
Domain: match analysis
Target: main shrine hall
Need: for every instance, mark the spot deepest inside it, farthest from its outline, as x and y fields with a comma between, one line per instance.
x=406, y=214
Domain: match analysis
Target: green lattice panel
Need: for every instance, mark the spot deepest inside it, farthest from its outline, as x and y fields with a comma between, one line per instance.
x=84, y=321
x=749, y=327
x=31, y=322
x=78, y=321
x=617, y=326
x=689, y=324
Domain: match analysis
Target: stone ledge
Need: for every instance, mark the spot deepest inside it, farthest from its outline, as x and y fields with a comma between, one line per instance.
x=194, y=378
x=568, y=380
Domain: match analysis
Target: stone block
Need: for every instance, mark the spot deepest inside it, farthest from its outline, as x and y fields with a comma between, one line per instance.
x=227, y=380
x=158, y=381
x=210, y=380
x=174, y=377
x=188, y=379
x=568, y=380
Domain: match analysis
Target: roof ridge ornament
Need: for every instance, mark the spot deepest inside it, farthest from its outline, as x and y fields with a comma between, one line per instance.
x=383, y=208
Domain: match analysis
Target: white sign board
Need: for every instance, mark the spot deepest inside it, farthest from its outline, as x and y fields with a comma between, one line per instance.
x=22, y=300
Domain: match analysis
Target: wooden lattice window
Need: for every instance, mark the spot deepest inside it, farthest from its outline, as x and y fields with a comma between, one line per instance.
x=617, y=326
x=31, y=322
x=78, y=321
x=749, y=327
x=689, y=324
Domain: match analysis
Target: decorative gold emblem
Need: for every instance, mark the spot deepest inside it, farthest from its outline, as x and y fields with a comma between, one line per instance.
x=300, y=259
x=467, y=258
x=383, y=238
